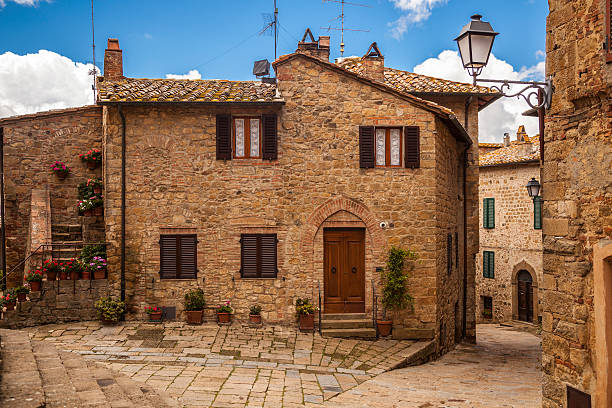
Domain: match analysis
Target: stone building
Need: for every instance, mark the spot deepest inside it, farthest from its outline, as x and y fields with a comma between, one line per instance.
x=509, y=264
x=577, y=193
x=263, y=192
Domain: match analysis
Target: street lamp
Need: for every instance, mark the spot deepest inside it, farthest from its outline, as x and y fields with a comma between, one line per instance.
x=533, y=188
x=475, y=43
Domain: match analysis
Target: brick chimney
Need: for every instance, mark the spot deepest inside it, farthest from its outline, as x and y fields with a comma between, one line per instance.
x=521, y=134
x=318, y=49
x=113, y=60
x=374, y=64
x=506, y=139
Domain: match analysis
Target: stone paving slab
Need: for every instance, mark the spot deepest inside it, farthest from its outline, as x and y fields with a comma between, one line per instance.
x=230, y=366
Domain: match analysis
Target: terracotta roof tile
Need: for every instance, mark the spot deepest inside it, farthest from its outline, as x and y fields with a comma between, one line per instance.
x=517, y=152
x=490, y=145
x=185, y=90
x=415, y=83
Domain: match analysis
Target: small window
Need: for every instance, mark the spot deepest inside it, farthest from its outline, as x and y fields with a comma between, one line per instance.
x=487, y=307
x=258, y=255
x=247, y=138
x=488, y=264
x=388, y=147
x=537, y=213
x=488, y=213
x=178, y=256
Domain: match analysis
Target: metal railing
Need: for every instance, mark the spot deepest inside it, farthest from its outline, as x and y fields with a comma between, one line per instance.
x=319, y=285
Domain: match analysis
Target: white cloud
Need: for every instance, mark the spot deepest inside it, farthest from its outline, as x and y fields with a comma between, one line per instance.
x=42, y=81
x=31, y=3
x=504, y=115
x=148, y=36
x=540, y=54
x=416, y=12
x=193, y=74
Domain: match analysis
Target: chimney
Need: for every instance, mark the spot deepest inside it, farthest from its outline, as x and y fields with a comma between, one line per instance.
x=506, y=139
x=521, y=134
x=318, y=49
x=374, y=64
x=113, y=60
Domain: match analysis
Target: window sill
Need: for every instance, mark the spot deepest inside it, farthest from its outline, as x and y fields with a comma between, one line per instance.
x=258, y=279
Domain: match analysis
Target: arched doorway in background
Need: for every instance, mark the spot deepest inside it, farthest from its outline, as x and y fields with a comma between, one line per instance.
x=525, y=296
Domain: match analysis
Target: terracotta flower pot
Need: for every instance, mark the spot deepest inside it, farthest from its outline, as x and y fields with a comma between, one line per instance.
x=98, y=211
x=51, y=276
x=307, y=322
x=224, y=317
x=255, y=319
x=35, y=286
x=155, y=316
x=21, y=297
x=63, y=275
x=194, y=316
x=99, y=274
x=74, y=275
x=384, y=327
x=88, y=213
x=91, y=165
x=61, y=175
x=10, y=306
x=85, y=275
x=108, y=322
x=97, y=190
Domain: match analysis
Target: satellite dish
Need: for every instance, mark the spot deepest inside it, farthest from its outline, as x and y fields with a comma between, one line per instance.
x=261, y=68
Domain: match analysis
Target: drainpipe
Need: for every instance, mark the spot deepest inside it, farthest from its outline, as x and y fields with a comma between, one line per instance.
x=3, y=226
x=468, y=102
x=122, y=203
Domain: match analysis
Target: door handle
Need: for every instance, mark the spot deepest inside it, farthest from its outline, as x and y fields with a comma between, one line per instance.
x=333, y=269
x=354, y=270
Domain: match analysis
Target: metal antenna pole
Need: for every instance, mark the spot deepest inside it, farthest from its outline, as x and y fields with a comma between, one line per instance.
x=275, y=28
x=341, y=17
x=341, y=31
x=93, y=48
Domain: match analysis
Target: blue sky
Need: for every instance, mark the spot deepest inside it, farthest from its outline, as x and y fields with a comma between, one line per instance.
x=45, y=45
x=160, y=37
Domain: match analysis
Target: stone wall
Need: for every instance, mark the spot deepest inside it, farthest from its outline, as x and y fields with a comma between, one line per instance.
x=31, y=144
x=58, y=301
x=515, y=242
x=174, y=183
x=577, y=192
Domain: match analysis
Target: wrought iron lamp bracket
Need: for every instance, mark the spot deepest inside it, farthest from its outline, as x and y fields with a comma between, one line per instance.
x=529, y=92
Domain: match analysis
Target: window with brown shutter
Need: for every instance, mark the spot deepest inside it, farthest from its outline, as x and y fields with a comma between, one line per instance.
x=385, y=147
x=258, y=255
x=247, y=137
x=270, y=137
x=178, y=256
x=224, y=137
x=412, y=147
x=388, y=143
x=366, y=147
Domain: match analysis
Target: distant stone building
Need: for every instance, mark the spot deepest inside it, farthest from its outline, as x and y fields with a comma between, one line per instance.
x=577, y=193
x=509, y=264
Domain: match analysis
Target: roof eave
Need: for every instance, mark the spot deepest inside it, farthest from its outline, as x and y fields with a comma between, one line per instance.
x=459, y=131
x=533, y=161
x=194, y=103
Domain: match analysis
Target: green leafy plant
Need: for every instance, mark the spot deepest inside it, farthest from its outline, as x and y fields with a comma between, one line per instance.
x=109, y=309
x=255, y=310
x=90, y=251
x=94, y=183
x=194, y=300
x=73, y=265
x=225, y=308
x=395, y=294
x=85, y=190
x=22, y=290
x=33, y=276
x=304, y=307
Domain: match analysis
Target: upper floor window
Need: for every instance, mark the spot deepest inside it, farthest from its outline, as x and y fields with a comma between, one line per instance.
x=388, y=147
x=178, y=256
x=488, y=213
x=488, y=264
x=537, y=213
x=247, y=140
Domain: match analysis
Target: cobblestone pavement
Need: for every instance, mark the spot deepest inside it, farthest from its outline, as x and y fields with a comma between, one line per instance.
x=502, y=370
x=236, y=366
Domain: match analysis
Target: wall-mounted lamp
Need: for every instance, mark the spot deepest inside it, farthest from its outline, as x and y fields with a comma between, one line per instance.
x=533, y=188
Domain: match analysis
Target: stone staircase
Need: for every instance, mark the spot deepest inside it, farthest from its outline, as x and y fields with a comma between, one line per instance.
x=67, y=240
x=347, y=325
x=35, y=374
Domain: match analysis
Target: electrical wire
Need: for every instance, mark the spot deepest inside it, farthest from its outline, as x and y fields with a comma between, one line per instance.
x=227, y=51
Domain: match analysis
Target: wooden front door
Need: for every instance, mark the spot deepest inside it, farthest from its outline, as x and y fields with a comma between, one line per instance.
x=344, y=270
x=525, y=301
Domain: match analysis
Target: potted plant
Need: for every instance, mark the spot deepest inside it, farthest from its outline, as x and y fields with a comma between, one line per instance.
x=255, y=314
x=51, y=268
x=305, y=311
x=73, y=269
x=487, y=314
x=63, y=273
x=95, y=185
x=9, y=300
x=86, y=207
x=93, y=158
x=97, y=206
x=194, y=306
x=97, y=267
x=154, y=312
x=22, y=292
x=60, y=169
x=109, y=310
x=224, y=313
x=34, y=279
x=395, y=295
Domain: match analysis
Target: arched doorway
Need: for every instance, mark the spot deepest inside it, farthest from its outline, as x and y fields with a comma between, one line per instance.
x=525, y=296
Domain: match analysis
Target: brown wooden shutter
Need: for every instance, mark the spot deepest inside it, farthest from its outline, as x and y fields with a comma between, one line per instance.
x=188, y=256
x=270, y=137
x=608, y=23
x=366, y=147
x=168, y=256
x=267, y=255
x=412, y=151
x=248, y=255
x=224, y=137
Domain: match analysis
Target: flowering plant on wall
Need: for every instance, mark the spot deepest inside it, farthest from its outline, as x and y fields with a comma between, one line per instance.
x=152, y=309
x=96, y=263
x=225, y=308
x=33, y=276
x=93, y=158
x=95, y=185
x=60, y=168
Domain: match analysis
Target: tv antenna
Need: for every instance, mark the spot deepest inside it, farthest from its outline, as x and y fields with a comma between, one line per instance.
x=93, y=50
x=271, y=26
x=341, y=17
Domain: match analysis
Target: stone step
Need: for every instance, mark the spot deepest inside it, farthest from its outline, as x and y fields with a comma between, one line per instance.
x=346, y=324
x=345, y=316
x=57, y=237
x=66, y=228
x=20, y=382
x=362, y=333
